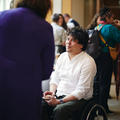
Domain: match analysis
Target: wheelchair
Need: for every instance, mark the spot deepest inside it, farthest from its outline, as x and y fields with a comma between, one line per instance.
x=90, y=111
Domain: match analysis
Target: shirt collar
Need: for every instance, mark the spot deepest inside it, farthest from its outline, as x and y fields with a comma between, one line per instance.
x=76, y=56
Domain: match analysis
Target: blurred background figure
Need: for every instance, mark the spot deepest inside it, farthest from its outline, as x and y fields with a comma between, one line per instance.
x=104, y=62
x=94, y=22
x=116, y=63
x=12, y=4
x=62, y=22
x=26, y=58
x=90, y=28
x=59, y=33
x=71, y=23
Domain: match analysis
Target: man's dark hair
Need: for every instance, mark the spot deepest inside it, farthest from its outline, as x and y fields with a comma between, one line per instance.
x=55, y=17
x=41, y=7
x=105, y=12
x=81, y=35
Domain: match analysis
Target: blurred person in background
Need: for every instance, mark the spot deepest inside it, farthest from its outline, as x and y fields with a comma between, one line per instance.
x=26, y=58
x=59, y=33
x=12, y=4
x=92, y=26
x=62, y=22
x=71, y=23
x=104, y=62
x=94, y=22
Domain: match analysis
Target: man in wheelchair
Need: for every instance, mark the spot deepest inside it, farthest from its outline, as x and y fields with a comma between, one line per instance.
x=72, y=79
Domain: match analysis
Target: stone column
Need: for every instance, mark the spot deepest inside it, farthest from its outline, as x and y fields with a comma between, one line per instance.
x=57, y=6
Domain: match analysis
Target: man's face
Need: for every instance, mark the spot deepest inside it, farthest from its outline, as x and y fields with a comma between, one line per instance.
x=66, y=19
x=72, y=45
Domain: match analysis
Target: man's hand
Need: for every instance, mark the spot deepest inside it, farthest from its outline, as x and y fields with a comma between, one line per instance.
x=48, y=95
x=53, y=101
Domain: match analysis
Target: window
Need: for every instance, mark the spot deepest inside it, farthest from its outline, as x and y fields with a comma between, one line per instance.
x=4, y=4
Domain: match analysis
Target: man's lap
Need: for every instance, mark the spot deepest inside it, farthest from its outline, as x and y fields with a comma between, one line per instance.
x=65, y=108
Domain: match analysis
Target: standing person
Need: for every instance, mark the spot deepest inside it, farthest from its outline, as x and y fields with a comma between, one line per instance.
x=94, y=22
x=72, y=79
x=92, y=26
x=71, y=23
x=104, y=62
x=26, y=58
x=62, y=22
x=12, y=4
x=59, y=34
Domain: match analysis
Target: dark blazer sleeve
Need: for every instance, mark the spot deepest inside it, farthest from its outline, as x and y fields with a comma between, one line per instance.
x=48, y=56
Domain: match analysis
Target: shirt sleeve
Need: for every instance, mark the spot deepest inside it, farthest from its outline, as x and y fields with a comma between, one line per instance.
x=86, y=78
x=54, y=79
x=70, y=25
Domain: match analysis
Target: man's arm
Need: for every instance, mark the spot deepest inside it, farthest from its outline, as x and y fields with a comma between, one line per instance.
x=54, y=81
x=53, y=101
x=86, y=80
x=53, y=88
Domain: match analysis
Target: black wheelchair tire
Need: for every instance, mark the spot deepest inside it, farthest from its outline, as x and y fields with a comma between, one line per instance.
x=93, y=111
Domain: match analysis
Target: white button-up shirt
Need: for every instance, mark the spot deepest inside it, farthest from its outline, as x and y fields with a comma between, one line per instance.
x=74, y=77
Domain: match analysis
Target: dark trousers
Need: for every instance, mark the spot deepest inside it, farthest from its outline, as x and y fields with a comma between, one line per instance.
x=115, y=65
x=103, y=79
x=62, y=111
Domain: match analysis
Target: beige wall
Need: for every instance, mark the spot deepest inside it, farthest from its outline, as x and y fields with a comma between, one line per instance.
x=90, y=10
x=48, y=18
x=75, y=8
x=83, y=11
x=57, y=6
x=78, y=11
x=66, y=6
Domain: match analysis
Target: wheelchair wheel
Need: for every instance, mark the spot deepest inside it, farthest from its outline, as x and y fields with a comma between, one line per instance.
x=94, y=112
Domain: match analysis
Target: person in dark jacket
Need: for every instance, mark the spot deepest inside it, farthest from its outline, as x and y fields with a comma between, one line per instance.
x=71, y=23
x=26, y=58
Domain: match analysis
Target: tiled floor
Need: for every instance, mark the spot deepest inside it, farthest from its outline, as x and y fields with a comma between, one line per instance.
x=114, y=105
